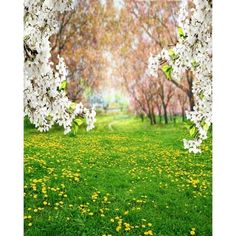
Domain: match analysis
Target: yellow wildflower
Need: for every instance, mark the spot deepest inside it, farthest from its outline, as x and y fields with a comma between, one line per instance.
x=149, y=232
x=118, y=228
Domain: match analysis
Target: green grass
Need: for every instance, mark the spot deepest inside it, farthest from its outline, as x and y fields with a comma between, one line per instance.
x=123, y=171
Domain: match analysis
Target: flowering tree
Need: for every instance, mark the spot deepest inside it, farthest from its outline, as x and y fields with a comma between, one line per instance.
x=192, y=54
x=81, y=40
x=45, y=100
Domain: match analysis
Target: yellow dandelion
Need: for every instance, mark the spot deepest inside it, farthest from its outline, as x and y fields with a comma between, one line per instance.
x=127, y=227
x=118, y=228
x=149, y=232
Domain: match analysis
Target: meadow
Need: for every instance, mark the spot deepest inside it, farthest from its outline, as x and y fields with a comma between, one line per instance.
x=125, y=177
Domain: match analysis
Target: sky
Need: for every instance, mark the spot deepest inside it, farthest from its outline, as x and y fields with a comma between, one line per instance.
x=117, y=3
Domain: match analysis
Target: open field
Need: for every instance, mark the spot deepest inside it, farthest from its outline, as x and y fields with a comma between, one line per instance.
x=123, y=178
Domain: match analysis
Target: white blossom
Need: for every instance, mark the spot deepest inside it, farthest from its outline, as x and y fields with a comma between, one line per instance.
x=44, y=102
x=193, y=52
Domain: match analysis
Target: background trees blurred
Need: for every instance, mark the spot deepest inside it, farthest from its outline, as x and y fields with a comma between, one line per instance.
x=106, y=45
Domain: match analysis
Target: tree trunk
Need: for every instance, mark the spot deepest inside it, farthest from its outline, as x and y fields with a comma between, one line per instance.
x=190, y=87
x=191, y=100
x=174, y=118
x=183, y=115
x=149, y=113
x=153, y=116
x=159, y=113
x=142, y=117
x=165, y=114
x=154, y=119
x=150, y=118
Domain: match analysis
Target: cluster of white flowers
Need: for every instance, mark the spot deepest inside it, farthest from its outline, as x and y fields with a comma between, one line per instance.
x=153, y=65
x=193, y=52
x=45, y=100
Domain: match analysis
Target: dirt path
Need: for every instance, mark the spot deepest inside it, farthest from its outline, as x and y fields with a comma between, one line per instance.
x=116, y=121
x=110, y=125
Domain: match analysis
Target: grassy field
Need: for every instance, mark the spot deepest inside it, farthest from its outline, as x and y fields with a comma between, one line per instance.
x=123, y=178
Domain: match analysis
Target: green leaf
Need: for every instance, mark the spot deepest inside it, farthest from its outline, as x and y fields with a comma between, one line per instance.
x=79, y=121
x=181, y=33
x=74, y=128
x=63, y=85
x=167, y=70
x=192, y=131
x=205, y=125
x=195, y=64
x=49, y=117
x=201, y=95
x=71, y=108
x=172, y=54
x=190, y=126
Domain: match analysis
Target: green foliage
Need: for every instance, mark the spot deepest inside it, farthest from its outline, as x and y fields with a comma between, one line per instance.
x=63, y=85
x=78, y=121
x=75, y=125
x=193, y=131
x=27, y=123
x=201, y=95
x=195, y=64
x=167, y=70
x=49, y=117
x=190, y=126
x=72, y=107
x=74, y=128
x=181, y=33
x=172, y=54
x=205, y=126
